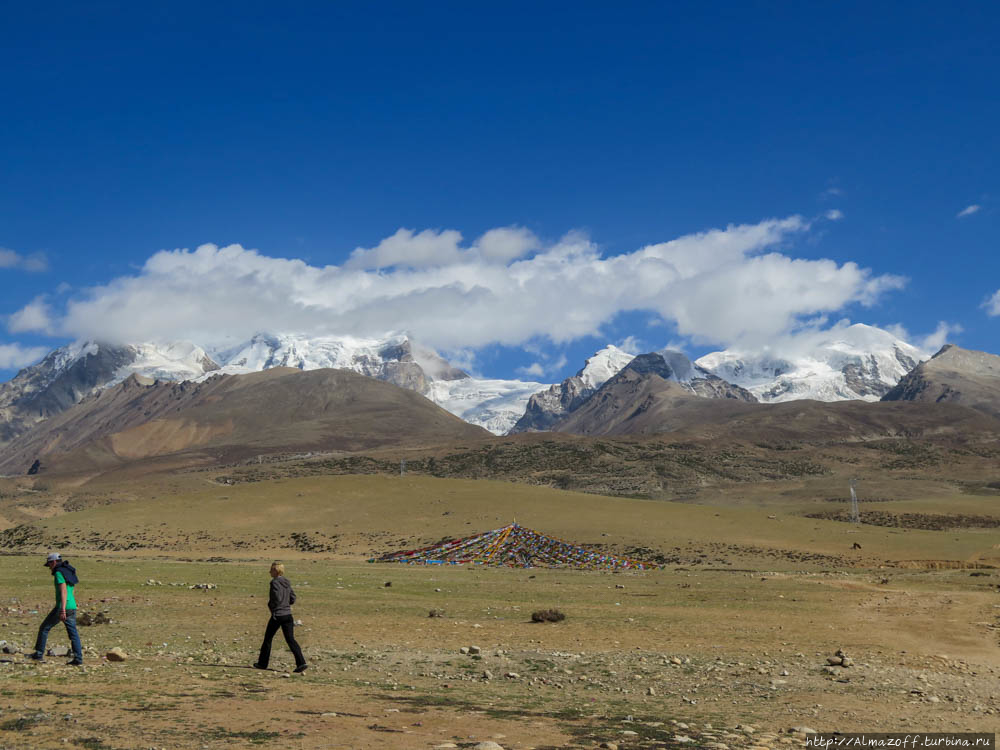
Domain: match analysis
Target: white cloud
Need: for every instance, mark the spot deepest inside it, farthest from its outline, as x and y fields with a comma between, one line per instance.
x=929, y=343
x=934, y=341
x=834, y=214
x=632, y=345
x=411, y=250
x=506, y=243
x=992, y=305
x=35, y=316
x=968, y=211
x=534, y=370
x=726, y=286
x=14, y=356
x=35, y=262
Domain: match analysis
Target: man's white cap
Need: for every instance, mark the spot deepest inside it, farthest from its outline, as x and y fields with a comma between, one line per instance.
x=53, y=556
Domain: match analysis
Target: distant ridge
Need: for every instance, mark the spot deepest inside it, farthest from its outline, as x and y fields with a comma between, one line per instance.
x=954, y=375
x=232, y=417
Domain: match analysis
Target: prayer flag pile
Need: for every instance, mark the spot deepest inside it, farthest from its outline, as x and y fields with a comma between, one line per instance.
x=514, y=546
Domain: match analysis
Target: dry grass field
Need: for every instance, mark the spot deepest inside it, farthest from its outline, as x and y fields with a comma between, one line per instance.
x=724, y=645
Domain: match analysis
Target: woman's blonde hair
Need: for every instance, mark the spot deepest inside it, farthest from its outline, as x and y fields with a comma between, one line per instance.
x=278, y=567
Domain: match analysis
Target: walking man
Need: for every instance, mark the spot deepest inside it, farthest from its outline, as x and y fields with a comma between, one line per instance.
x=280, y=601
x=65, y=580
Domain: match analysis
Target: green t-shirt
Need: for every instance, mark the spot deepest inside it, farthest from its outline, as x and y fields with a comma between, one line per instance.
x=70, y=599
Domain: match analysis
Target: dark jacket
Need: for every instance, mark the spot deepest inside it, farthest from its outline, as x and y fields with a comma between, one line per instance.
x=281, y=597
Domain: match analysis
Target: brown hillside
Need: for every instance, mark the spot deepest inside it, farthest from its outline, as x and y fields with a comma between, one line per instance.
x=634, y=403
x=954, y=375
x=233, y=417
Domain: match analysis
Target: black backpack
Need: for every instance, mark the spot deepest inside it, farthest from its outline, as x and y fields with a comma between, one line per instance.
x=68, y=573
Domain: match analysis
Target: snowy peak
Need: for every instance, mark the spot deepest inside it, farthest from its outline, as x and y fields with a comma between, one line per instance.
x=855, y=362
x=174, y=361
x=602, y=366
x=72, y=372
x=547, y=408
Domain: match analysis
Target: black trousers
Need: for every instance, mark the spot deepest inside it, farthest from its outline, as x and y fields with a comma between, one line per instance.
x=287, y=625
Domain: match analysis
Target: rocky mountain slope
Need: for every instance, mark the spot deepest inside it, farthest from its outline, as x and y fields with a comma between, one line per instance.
x=643, y=400
x=231, y=417
x=858, y=362
x=953, y=375
x=547, y=408
x=75, y=371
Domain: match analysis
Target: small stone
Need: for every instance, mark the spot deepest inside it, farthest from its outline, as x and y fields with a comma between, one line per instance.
x=676, y=660
x=650, y=691
x=464, y=650
x=116, y=654
x=475, y=650
x=835, y=661
x=487, y=674
x=609, y=745
x=59, y=651
x=802, y=730
x=846, y=661
x=512, y=676
x=487, y=745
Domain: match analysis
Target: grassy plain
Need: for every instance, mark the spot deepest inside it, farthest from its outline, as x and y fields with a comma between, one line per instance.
x=728, y=639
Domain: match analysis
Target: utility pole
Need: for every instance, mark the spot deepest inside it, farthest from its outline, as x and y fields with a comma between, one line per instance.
x=855, y=514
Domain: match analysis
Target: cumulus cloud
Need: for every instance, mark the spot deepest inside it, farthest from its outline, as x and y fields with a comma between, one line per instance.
x=504, y=244
x=14, y=356
x=929, y=343
x=992, y=305
x=722, y=286
x=968, y=211
x=35, y=316
x=410, y=249
x=934, y=341
x=34, y=262
x=534, y=370
x=834, y=214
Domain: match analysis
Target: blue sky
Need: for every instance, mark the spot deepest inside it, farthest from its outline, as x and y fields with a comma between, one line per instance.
x=832, y=148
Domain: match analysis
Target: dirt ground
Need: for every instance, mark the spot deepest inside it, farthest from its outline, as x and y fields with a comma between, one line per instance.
x=725, y=646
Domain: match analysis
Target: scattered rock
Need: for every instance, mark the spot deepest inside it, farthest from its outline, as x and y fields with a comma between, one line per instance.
x=116, y=654
x=475, y=650
x=59, y=651
x=488, y=745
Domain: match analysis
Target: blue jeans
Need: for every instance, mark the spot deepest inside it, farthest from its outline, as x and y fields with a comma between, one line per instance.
x=50, y=621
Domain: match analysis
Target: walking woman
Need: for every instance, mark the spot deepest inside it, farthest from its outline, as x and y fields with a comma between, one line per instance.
x=280, y=603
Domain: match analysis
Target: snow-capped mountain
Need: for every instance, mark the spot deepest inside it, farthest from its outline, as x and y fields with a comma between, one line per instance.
x=179, y=360
x=72, y=372
x=548, y=407
x=602, y=366
x=851, y=363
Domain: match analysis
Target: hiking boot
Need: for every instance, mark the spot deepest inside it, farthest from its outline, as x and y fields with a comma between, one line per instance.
x=302, y=668
x=258, y=666
x=37, y=658
x=74, y=663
